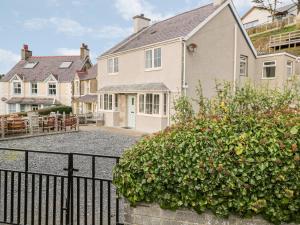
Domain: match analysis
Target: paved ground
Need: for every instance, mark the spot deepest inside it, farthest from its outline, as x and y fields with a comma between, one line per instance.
x=91, y=140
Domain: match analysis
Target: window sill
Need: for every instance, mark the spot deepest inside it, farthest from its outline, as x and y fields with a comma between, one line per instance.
x=152, y=115
x=268, y=78
x=113, y=74
x=153, y=69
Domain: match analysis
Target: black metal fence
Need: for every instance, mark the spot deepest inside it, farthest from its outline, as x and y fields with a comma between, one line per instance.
x=59, y=197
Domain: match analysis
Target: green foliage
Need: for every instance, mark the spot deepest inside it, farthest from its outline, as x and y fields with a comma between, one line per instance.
x=241, y=155
x=183, y=110
x=46, y=111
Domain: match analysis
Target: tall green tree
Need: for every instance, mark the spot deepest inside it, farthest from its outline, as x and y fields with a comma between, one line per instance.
x=270, y=5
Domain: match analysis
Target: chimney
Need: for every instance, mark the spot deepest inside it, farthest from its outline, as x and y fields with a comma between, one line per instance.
x=218, y=2
x=84, y=51
x=25, y=53
x=140, y=22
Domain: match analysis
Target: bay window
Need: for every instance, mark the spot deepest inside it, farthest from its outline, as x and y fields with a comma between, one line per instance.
x=142, y=103
x=107, y=102
x=12, y=108
x=149, y=104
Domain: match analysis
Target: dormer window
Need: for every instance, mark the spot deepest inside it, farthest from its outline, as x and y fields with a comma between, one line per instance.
x=17, y=86
x=52, y=88
x=30, y=65
x=65, y=65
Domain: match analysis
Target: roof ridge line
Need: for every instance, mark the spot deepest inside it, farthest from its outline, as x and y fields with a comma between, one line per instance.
x=182, y=13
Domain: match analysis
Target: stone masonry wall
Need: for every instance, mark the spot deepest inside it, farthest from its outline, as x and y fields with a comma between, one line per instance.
x=145, y=214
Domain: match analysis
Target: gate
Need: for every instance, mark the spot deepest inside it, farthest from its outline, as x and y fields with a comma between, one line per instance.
x=53, y=188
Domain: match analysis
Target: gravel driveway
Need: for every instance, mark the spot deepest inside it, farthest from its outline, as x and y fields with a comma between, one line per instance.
x=99, y=142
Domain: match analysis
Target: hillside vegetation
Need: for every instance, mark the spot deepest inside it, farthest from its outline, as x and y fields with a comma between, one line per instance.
x=260, y=41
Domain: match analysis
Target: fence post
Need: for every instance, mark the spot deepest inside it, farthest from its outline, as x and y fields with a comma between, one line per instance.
x=64, y=121
x=77, y=123
x=56, y=123
x=30, y=125
x=2, y=127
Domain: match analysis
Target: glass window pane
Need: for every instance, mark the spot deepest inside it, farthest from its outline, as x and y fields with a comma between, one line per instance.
x=141, y=103
x=149, y=106
x=116, y=65
x=148, y=59
x=110, y=102
x=157, y=57
x=156, y=104
x=165, y=104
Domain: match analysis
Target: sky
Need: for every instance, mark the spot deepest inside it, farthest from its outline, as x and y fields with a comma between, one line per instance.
x=58, y=27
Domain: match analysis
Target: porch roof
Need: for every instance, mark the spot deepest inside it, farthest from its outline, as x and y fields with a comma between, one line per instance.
x=87, y=99
x=135, y=88
x=29, y=101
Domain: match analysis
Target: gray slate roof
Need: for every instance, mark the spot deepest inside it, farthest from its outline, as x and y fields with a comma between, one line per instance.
x=46, y=65
x=174, y=27
x=29, y=101
x=89, y=74
x=135, y=88
x=87, y=98
x=286, y=8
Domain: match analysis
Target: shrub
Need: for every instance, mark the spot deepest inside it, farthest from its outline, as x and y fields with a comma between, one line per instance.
x=46, y=111
x=241, y=157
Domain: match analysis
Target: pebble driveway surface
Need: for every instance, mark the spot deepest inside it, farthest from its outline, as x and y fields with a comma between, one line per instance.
x=89, y=140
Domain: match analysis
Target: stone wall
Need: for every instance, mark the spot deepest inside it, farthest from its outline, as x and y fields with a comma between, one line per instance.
x=145, y=214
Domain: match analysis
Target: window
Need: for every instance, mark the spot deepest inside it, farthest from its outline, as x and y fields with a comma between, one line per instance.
x=34, y=88
x=149, y=103
x=107, y=102
x=116, y=102
x=34, y=107
x=77, y=88
x=289, y=66
x=148, y=58
x=52, y=88
x=142, y=103
x=153, y=58
x=17, y=88
x=269, y=69
x=101, y=101
x=12, y=108
x=243, y=65
x=30, y=65
x=87, y=88
x=65, y=65
x=165, y=103
x=22, y=108
x=156, y=104
x=113, y=65
x=157, y=57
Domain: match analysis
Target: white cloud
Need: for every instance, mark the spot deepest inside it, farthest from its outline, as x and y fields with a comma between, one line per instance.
x=7, y=60
x=130, y=8
x=73, y=28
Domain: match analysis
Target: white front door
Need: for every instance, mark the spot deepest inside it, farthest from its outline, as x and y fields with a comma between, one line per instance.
x=131, y=109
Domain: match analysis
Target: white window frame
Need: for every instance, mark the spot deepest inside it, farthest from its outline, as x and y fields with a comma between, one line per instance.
x=10, y=108
x=244, y=60
x=290, y=68
x=108, y=103
x=145, y=105
x=56, y=88
x=264, y=66
x=13, y=87
x=31, y=88
x=165, y=103
x=113, y=69
x=77, y=87
x=153, y=67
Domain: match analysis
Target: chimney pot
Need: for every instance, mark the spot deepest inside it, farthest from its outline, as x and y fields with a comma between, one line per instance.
x=84, y=51
x=25, y=52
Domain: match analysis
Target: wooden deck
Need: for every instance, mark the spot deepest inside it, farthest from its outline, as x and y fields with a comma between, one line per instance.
x=285, y=40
